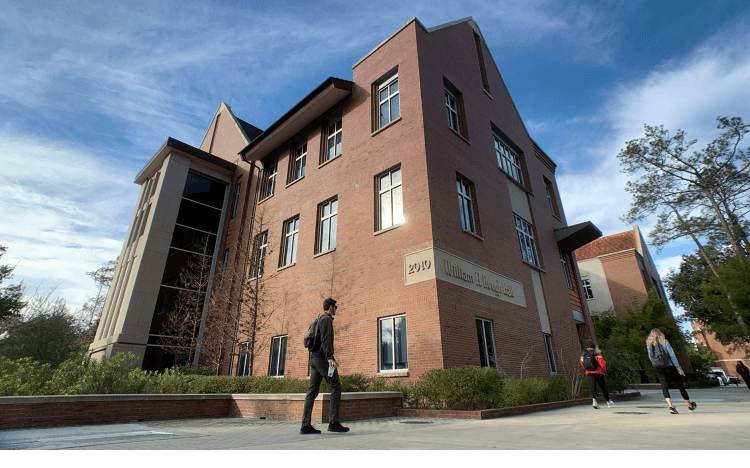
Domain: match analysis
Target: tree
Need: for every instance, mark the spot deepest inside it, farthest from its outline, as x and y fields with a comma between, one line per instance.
x=11, y=297
x=702, y=196
x=91, y=311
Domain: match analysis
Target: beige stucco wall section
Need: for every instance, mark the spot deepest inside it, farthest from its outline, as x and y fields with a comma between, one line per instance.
x=519, y=201
x=592, y=270
x=536, y=280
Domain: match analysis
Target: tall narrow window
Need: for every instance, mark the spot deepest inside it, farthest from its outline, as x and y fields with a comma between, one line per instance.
x=508, y=160
x=566, y=272
x=224, y=267
x=392, y=338
x=299, y=156
x=237, y=189
x=551, y=197
x=526, y=241
x=270, y=176
x=550, y=354
x=278, y=356
x=465, y=205
x=327, y=216
x=291, y=232
x=482, y=69
x=390, y=202
x=452, y=110
x=388, y=102
x=587, y=289
x=333, y=144
x=486, y=343
x=243, y=366
x=261, y=243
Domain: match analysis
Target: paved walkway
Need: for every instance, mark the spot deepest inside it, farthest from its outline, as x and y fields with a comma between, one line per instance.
x=721, y=421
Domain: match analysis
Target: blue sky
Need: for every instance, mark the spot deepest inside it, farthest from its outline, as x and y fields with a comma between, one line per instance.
x=89, y=91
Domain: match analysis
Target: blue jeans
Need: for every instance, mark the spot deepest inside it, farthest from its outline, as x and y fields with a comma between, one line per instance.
x=318, y=372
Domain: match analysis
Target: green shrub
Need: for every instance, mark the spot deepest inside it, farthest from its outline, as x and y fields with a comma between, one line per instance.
x=460, y=387
x=23, y=376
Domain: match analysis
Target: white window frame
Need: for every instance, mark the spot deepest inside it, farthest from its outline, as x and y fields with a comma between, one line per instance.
x=392, y=344
x=550, y=354
x=300, y=161
x=566, y=272
x=394, y=216
x=243, y=361
x=271, y=179
x=490, y=361
x=526, y=240
x=465, y=205
x=390, y=96
x=291, y=236
x=451, y=106
x=330, y=222
x=508, y=161
x=334, y=140
x=261, y=245
x=236, y=199
x=280, y=357
x=587, y=291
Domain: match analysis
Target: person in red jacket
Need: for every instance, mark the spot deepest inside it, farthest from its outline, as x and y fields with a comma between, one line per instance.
x=595, y=367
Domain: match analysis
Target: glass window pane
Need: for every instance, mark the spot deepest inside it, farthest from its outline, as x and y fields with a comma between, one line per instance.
x=203, y=190
x=326, y=209
x=489, y=339
x=385, y=182
x=384, y=116
x=395, y=112
x=482, y=350
x=385, y=210
x=274, y=357
x=398, y=206
x=334, y=206
x=386, y=344
x=333, y=232
x=282, y=356
x=394, y=87
x=294, y=247
x=324, y=235
x=338, y=144
x=383, y=94
x=396, y=176
x=400, y=343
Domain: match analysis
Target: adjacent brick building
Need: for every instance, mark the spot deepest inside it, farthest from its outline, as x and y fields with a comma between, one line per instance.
x=726, y=355
x=413, y=194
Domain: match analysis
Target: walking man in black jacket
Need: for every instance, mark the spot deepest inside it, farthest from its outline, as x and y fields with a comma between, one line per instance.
x=321, y=360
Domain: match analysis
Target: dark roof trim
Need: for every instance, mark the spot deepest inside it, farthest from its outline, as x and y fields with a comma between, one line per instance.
x=574, y=237
x=328, y=87
x=177, y=145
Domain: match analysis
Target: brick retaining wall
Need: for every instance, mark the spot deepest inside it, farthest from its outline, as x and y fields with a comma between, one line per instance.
x=63, y=410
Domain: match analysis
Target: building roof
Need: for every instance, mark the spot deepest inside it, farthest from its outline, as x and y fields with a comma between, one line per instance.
x=570, y=238
x=171, y=144
x=251, y=131
x=607, y=245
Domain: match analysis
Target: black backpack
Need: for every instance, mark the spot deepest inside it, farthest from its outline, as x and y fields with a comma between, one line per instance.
x=590, y=363
x=312, y=337
x=659, y=358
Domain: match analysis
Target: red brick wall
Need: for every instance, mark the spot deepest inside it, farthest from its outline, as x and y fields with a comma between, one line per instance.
x=624, y=279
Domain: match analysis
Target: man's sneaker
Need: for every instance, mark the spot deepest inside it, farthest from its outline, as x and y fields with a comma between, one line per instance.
x=610, y=404
x=595, y=406
x=337, y=427
x=673, y=410
x=309, y=430
x=693, y=405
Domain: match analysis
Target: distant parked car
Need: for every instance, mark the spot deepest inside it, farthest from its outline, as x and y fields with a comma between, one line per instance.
x=718, y=374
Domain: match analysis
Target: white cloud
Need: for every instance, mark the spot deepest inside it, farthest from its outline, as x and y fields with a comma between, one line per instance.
x=65, y=212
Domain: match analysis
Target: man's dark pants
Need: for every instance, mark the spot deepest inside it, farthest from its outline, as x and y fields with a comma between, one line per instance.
x=318, y=372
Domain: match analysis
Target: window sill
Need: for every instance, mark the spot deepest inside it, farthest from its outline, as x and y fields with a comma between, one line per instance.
x=589, y=299
x=324, y=253
x=520, y=185
x=384, y=127
x=394, y=373
x=332, y=159
x=459, y=135
x=473, y=234
x=293, y=182
x=488, y=94
x=286, y=266
x=268, y=197
x=377, y=233
x=557, y=218
x=534, y=266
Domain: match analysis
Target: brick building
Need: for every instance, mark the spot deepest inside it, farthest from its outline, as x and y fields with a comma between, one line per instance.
x=726, y=355
x=413, y=194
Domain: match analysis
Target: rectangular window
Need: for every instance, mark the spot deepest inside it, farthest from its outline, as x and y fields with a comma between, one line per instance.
x=261, y=244
x=388, y=102
x=333, y=143
x=236, y=199
x=526, y=241
x=482, y=69
x=392, y=338
x=550, y=354
x=278, y=356
x=587, y=289
x=551, y=197
x=566, y=272
x=327, y=218
x=291, y=232
x=452, y=109
x=243, y=366
x=508, y=160
x=270, y=179
x=299, y=156
x=486, y=343
x=390, y=201
x=465, y=205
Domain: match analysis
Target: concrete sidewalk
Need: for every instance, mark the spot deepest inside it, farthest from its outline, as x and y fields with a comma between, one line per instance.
x=721, y=421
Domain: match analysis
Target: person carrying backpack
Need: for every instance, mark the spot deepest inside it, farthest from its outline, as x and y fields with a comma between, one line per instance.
x=666, y=365
x=595, y=367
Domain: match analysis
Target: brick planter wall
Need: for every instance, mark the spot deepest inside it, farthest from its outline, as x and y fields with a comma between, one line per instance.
x=63, y=410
